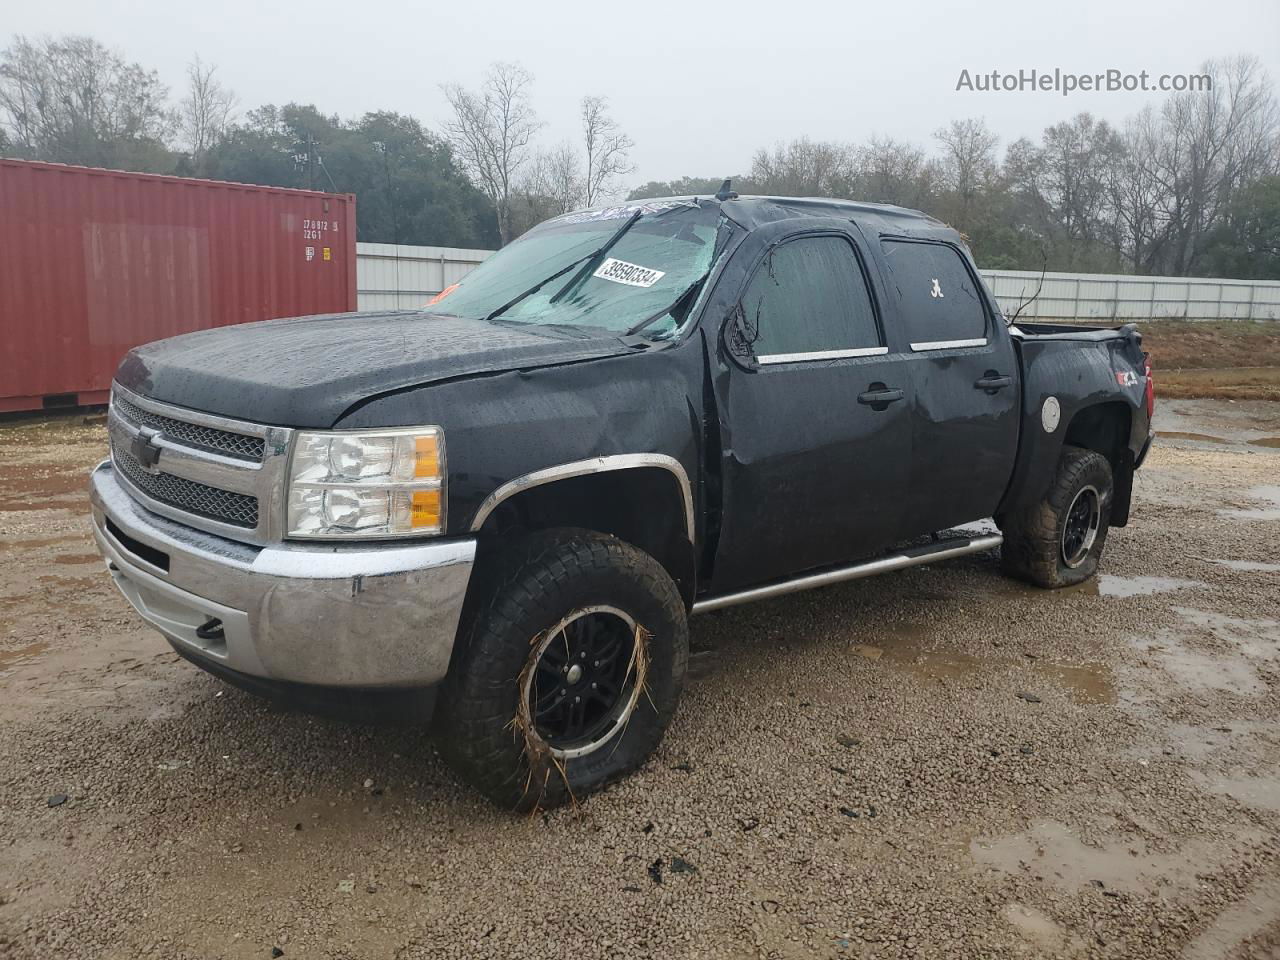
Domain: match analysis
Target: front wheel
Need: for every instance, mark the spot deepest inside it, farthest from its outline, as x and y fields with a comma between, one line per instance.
x=568, y=673
x=1058, y=541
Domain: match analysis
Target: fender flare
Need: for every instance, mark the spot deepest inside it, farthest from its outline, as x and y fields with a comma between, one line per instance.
x=580, y=468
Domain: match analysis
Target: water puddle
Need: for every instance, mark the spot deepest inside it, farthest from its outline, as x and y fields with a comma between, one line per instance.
x=1265, y=442
x=1039, y=929
x=1207, y=672
x=1237, y=923
x=1085, y=683
x=1056, y=853
x=1089, y=684
x=1254, y=638
x=1245, y=566
x=1113, y=586
x=933, y=665
x=1227, y=662
x=1268, y=493
x=1197, y=437
x=1201, y=743
x=1260, y=792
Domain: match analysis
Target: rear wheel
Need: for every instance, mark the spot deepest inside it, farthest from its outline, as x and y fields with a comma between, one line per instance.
x=1058, y=541
x=568, y=673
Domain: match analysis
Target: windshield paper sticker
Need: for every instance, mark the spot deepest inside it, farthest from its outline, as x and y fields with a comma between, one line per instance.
x=632, y=274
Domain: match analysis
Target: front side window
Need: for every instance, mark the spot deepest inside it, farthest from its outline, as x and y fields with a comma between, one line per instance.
x=940, y=304
x=658, y=259
x=809, y=296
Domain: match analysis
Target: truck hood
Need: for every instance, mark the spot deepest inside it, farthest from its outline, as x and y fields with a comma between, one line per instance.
x=307, y=371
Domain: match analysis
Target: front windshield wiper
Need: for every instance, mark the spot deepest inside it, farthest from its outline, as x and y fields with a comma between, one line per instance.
x=572, y=330
x=535, y=288
x=670, y=308
x=596, y=257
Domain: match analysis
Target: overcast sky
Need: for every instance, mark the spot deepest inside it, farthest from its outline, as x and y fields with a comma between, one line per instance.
x=698, y=90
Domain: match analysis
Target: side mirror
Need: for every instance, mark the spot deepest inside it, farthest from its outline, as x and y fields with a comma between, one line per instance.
x=738, y=336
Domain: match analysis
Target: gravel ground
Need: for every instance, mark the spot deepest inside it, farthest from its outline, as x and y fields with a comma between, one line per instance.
x=936, y=763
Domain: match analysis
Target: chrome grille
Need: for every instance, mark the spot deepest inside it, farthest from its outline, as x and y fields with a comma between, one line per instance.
x=193, y=434
x=214, y=473
x=225, y=506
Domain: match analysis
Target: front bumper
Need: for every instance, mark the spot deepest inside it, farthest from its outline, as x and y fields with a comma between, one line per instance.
x=338, y=616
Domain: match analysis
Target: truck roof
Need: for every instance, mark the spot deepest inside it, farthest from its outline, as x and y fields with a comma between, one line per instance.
x=750, y=212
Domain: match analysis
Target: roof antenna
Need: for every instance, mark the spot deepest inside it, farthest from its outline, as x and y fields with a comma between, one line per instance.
x=726, y=191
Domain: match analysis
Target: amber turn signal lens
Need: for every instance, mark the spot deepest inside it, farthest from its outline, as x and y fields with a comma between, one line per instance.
x=426, y=509
x=426, y=450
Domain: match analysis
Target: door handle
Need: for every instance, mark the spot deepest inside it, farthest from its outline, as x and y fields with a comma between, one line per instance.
x=992, y=381
x=878, y=396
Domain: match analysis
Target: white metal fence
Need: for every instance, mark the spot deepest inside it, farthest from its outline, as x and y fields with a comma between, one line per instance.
x=1101, y=297
x=390, y=277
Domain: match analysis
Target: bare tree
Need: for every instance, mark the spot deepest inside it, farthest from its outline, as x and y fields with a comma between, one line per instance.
x=72, y=100
x=1063, y=188
x=1211, y=143
x=968, y=162
x=804, y=168
x=491, y=130
x=551, y=185
x=893, y=171
x=1134, y=193
x=205, y=112
x=607, y=149
x=561, y=178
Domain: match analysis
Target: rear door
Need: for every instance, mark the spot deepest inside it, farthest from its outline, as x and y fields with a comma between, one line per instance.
x=814, y=413
x=963, y=410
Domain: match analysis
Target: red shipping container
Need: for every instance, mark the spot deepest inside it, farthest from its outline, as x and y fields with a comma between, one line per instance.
x=94, y=262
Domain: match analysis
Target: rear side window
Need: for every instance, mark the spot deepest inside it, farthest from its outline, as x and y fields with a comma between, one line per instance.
x=939, y=301
x=809, y=296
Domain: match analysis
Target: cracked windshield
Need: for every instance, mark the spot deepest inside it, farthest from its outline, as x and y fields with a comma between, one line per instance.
x=604, y=270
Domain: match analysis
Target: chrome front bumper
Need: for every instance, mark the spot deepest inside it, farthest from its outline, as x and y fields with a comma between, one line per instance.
x=342, y=616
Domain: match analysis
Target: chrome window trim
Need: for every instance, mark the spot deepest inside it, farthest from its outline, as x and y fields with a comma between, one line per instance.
x=265, y=480
x=581, y=468
x=948, y=344
x=771, y=358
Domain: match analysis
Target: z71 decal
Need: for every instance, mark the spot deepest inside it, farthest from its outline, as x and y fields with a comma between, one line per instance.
x=632, y=274
x=1127, y=378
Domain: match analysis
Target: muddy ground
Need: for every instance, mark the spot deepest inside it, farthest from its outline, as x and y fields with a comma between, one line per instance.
x=936, y=763
x=1231, y=359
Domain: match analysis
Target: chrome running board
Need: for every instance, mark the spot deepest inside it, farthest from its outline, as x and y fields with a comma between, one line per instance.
x=898, y=560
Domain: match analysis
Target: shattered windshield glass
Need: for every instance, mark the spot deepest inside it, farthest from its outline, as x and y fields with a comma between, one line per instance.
x=649, y=267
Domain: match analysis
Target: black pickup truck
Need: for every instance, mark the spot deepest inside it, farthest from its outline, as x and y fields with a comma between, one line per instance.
x=515, y=497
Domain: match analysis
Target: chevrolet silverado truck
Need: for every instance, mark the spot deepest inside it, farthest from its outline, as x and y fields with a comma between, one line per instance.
x=507, y=505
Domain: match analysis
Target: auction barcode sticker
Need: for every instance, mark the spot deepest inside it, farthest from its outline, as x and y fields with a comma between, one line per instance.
x=632, y=274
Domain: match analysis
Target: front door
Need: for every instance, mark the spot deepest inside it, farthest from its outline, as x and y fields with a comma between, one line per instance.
x=814, y=413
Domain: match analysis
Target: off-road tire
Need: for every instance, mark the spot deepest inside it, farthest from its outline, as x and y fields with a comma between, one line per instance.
x=531, y=587
x=1033, y=537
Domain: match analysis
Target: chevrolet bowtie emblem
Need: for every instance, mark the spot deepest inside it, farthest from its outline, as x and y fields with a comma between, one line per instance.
x=144, y=449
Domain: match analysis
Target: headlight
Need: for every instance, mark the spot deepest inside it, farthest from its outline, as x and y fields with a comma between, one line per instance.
x=384, y=483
